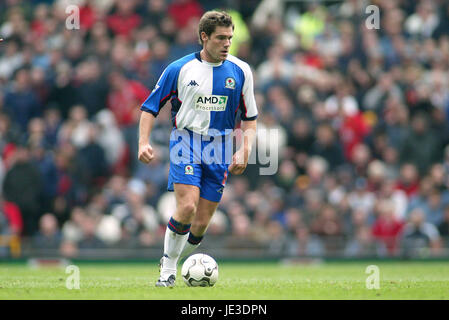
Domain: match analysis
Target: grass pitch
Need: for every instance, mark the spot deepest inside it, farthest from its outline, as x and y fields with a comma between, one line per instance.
x=241, y=281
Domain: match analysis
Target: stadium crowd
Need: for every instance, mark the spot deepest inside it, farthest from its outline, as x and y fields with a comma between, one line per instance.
x=362, y=117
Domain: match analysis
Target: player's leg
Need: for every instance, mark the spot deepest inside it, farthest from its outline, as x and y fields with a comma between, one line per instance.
x=185, y=180
x=178, y=227
x=213, y=181
x=200, y=223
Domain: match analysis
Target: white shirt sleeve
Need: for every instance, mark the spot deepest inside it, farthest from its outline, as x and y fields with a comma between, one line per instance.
x=249, y=108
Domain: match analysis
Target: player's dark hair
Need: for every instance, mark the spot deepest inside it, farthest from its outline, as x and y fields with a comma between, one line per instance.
x=212, y=19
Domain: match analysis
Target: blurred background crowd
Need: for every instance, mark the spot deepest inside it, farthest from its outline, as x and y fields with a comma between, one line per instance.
x=362, y=117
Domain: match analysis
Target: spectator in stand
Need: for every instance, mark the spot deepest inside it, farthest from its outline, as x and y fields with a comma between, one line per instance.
x=408, y=180
x=181, y=11
x=11, y=60
x=91, y=160
x=138, y=220
x=396, y=196
x=114, y=192
x=124, y=21
x=443, y=227
x=12, y=221
x=76, y=130
x=421, y=145
x=90, y=239
x=352, y=131
x=124, y=98
x=156, y=11
x=63, y=93
x=160, y=56
x=49, y=236
x=361, y=198
x=442, y=29
x=360, y=157
x=88, y=15
x=300, y=138
x=4, y=232
x=393, y=125
x=387, y=229
x=185, y=42
x=341, y=104
x=376, y=97
x=361, y=244
x=432, y=204
x=111, y=140
x=45, y=163
x=424, y=22
x=72, y=231
x=419, y=234
x=23, y=186
x=10, y=132
x=327, y=146
x=328, y=226
x=92, y=86
x=21, y=102
x=308, y=244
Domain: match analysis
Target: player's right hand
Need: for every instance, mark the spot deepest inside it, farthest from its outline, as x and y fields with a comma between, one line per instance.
x=145, y=153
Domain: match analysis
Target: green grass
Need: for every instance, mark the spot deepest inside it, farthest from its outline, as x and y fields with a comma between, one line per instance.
x=336, y=280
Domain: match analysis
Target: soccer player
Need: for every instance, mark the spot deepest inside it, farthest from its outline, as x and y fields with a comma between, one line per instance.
x=206, y=89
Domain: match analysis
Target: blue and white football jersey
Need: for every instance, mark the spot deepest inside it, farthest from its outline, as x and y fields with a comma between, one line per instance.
x=205, y=95
x=205, y=99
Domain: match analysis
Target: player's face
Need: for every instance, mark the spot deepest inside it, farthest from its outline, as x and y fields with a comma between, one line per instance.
x=218, y=43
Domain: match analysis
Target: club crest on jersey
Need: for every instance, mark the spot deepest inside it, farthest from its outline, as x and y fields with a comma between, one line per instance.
x=230, y=83
x=188, y=170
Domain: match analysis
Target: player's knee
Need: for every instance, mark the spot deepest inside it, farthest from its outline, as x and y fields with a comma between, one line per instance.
x=187, y=209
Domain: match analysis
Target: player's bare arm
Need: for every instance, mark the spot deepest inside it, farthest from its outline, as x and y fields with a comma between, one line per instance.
x=240, y=158
x=145, y=126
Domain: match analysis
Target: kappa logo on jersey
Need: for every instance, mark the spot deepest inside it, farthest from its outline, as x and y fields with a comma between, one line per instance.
x=188, y=170
x=193, y=83
x=210, y=102
x=230, y=83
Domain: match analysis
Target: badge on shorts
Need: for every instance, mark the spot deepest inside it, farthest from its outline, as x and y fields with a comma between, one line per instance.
x=188, y=169
x=230, y=83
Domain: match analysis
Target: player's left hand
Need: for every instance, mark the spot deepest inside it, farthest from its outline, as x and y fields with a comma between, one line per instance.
x=239, y=162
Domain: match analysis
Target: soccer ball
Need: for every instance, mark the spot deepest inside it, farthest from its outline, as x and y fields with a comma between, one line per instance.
x=200, y=270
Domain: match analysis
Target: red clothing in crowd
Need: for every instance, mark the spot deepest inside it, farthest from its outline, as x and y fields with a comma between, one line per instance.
x=87, y=17
x=123, y=25
x=388, y=232
x=410, y=189
x=38, y=28
x=352, y=132
x=181, y=12
x=125, y=102
x=313, y=60
x=14, y=216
